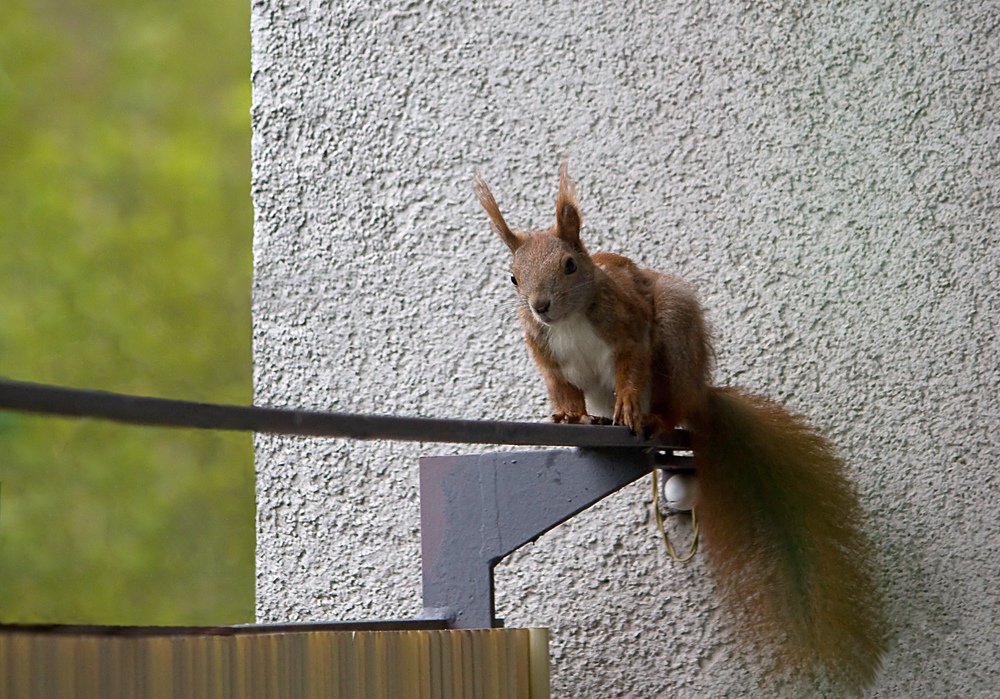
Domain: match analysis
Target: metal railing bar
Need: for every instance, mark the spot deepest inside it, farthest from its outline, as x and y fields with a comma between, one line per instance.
x=62, y=401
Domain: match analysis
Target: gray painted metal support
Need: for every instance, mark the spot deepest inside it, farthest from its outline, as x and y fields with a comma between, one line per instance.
x=474, y=510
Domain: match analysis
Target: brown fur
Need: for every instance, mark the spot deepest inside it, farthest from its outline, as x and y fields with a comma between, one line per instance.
x=782, y=525
x=781, y=521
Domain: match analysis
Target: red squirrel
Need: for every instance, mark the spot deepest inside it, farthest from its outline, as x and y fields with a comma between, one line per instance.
x=781, y=522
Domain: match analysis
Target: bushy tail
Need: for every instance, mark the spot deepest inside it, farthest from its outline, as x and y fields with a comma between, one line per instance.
x=782, y=530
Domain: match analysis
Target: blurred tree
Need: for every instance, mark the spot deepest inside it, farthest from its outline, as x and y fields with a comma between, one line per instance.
x=125, y=264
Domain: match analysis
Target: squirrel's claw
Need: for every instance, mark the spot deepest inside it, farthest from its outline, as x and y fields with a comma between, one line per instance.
x=629, y=415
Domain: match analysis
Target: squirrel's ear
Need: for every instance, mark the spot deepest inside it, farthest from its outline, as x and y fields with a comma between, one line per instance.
x=496, y=218
x=568, y=219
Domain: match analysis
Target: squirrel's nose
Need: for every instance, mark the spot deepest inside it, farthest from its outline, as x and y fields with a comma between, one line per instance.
x=541, y=305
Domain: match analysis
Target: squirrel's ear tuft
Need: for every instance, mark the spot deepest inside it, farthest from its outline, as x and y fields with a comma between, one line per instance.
x=568, y=219
x=485, y=197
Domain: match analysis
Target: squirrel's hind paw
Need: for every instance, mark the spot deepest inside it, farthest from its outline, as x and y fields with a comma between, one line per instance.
x=653, y=427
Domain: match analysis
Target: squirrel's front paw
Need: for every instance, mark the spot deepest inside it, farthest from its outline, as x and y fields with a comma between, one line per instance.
x=628, y=414
x=570, y=418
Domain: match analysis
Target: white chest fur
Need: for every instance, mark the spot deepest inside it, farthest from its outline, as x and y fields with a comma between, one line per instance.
x=586, y=361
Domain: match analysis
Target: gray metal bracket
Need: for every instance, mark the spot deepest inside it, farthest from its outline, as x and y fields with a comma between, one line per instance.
x=474, y=510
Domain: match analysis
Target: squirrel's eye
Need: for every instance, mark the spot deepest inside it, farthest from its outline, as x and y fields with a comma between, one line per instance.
x=513, y=280
x=570, y=265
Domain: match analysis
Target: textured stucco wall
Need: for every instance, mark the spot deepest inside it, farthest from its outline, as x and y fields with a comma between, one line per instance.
x=826, y=172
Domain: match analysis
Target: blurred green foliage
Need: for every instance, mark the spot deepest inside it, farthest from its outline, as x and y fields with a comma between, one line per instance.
x=125, y=265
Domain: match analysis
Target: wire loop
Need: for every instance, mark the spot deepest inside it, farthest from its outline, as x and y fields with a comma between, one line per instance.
x=663, y=531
